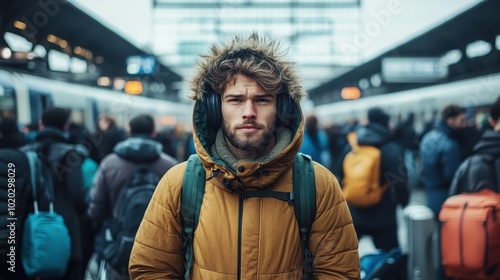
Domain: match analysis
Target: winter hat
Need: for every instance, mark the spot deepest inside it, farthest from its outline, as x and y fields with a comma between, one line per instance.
x=55, y=117
x=377, y=115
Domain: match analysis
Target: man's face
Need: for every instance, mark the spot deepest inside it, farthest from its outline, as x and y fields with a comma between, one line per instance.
x=457, y=122
x=249, y=115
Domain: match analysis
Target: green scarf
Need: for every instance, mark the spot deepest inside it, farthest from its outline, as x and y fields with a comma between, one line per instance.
x=220, y=150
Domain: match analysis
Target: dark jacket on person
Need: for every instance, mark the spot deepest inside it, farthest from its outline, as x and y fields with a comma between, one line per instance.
x=393, y=173
x=69, y=193
x=15, y=197
x=115, y=170
x=109, y=139
x=440, y=154
x=481, y=170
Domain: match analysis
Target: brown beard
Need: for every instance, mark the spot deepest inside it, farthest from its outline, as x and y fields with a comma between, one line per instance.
x=248, y=145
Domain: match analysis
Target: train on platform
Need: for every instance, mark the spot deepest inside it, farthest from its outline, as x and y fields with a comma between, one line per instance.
x=426, y=103
x=24, y=97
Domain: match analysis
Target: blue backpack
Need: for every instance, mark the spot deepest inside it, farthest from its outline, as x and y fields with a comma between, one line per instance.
x=303, y=198
x=46, y=241
x=384, y=265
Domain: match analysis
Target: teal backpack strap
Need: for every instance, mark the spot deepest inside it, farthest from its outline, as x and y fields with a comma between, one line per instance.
x=304, y=189
x=193, y=188
x=34, y=167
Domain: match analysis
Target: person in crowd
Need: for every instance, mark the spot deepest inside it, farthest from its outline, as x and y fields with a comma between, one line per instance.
x=165, y=137
x=29, y=132
x=485, y=124
x=339, y=146
x=250, y=95
x=116, y=168
x=440, y=155
x=188, y=145
x=69, y=194
x=406, y=136
x=315, y=142
x=380, y=221
x=110, y=135
x=14, y=184
x=481, y=170
x=469, y=135
x=84, y=145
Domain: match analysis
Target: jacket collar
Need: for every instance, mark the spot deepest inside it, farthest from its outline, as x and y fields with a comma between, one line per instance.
x=247, y=175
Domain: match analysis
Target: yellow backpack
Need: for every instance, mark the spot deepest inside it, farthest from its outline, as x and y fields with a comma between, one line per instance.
x=361, y=182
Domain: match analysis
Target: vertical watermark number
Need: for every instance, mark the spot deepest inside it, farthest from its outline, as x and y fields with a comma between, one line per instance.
x=11, y=218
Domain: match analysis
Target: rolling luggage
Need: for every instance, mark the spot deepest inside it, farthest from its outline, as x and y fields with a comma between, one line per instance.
x=423, y=249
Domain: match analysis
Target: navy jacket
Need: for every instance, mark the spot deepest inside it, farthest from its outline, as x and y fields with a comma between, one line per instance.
x=441, y=156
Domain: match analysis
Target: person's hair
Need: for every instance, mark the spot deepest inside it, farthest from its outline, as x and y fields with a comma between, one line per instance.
x=9, y=133
x=451, y=111
x=109, y=119
x=311, y=127
x=377, y=115
x=56, y=117
x=247, y=62
x=258, y=57
x=495, y=111
x=142, y=124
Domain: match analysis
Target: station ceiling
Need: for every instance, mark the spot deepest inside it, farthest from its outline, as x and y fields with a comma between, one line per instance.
x=481, y=22
x=61, y=19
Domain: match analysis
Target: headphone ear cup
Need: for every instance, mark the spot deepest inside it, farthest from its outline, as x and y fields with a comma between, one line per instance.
x=284, y=109
x=214, y=110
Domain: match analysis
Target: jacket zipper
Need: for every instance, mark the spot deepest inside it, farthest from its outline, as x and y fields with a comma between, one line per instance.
x=240, y=222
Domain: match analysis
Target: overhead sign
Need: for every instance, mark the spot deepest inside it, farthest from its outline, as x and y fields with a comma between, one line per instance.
x=415, y=70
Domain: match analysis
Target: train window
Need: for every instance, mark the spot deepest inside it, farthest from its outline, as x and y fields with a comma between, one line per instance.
x=7, y=103
x=77, y=117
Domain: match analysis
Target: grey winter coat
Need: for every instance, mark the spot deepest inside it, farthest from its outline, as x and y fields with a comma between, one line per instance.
x=115, y=169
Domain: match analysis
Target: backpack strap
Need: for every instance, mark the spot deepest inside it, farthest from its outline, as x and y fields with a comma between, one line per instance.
x=304, y=189
x=40, y=176
x=33, y=166
x=193, y=188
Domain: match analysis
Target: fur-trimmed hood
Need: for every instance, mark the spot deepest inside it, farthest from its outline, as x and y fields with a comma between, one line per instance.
x=205, y=131
x=265, y=47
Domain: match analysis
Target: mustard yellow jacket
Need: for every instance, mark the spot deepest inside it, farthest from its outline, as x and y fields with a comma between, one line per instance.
x=252, y=238
x=256, y=238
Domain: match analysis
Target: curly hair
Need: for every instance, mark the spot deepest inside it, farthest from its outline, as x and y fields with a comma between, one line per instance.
x=255, y=57
x=249, y=63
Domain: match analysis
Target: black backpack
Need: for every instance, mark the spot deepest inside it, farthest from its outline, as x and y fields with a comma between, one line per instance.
x=303, y=198
x=129, y=210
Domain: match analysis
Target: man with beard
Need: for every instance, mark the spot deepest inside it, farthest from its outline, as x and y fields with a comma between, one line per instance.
x=481, y=170
x=248, y=128
x=441, y=155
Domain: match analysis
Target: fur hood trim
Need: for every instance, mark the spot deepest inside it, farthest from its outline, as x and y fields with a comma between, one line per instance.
x=255, y=43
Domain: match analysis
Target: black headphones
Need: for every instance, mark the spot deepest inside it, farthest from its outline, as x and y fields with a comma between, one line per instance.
x=212, y=101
